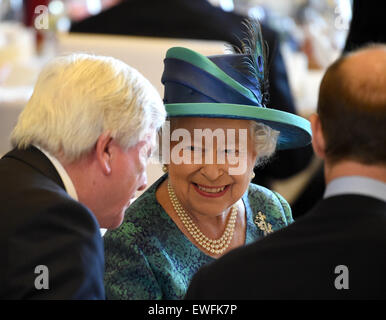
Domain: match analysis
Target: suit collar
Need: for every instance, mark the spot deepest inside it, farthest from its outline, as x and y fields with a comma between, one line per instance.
x=360, y=185
x=347, y=205
x=36, y=159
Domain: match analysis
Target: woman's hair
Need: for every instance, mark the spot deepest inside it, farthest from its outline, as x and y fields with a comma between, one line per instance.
x=265, y=141
x=79, y=97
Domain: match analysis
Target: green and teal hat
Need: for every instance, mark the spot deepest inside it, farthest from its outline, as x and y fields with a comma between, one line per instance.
x=228, y=86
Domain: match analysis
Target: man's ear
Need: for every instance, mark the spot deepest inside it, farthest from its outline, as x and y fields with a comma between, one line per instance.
x=103, y=152
x=318, y=142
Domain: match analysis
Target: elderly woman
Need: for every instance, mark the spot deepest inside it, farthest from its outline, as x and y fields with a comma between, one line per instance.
x=204, y=206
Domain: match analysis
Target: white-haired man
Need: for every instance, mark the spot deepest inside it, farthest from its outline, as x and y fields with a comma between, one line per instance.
x=80, y=151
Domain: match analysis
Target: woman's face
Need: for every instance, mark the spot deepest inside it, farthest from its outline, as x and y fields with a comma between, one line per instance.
x=219, y=171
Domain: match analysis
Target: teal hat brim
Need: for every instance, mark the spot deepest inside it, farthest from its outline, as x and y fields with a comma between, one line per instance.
x=295, y=131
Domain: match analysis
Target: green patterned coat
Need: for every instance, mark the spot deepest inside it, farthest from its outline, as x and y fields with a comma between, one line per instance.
x=148, y=257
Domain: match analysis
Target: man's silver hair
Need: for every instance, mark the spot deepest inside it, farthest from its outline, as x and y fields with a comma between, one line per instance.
x=79, y=97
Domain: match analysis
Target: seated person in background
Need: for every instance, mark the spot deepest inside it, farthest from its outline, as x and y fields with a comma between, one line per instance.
x=337, y=251
x=204, y=206
x=81, y=145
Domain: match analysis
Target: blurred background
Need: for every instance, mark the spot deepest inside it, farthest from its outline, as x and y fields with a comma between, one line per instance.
x=310, y=34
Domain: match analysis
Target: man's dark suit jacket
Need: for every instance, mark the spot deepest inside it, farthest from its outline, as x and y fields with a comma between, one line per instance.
x=42, y=225
x=299, y=262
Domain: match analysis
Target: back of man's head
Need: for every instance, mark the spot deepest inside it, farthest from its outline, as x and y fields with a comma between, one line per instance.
x=352, y=107
x=79, y=97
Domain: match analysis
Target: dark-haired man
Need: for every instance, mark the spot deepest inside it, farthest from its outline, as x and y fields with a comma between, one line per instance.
x=337, y=250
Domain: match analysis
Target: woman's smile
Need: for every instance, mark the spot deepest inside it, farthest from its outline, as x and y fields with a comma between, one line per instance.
x=211, y=191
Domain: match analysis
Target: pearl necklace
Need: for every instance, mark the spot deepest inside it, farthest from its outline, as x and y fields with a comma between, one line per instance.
x=214, y=246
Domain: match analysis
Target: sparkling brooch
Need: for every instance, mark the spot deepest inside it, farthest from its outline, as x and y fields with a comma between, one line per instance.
x=262, y=224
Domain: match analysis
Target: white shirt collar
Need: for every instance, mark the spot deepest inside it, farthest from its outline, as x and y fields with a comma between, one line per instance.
x=68, y=185
x=356, y=185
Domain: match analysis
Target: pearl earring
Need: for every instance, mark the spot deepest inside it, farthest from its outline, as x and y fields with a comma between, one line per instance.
x=253, y=175
x=165, y=168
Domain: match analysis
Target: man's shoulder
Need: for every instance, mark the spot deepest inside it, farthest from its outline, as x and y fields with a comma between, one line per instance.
x=22, y=185
x=353, y=200
x=320, y=234
x=41, y=223
x=44, y=207
x=299, y=261
x=28, y=196
x=26, y=169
